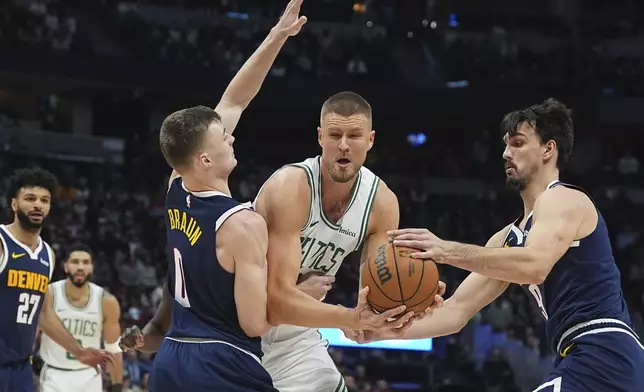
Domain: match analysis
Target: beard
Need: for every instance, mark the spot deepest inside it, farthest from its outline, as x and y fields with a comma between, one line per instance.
x=76, y=282
x=26, y=222
x=339, y=175
x=516, y=184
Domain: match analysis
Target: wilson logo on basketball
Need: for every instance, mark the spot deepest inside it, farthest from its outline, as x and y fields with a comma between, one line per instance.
x=404, y=253
x=384, y=275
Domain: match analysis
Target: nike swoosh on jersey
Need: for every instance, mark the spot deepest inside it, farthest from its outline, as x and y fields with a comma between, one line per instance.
x=15, y=255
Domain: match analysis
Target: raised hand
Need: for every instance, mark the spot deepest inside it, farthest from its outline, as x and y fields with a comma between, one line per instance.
x=429, y=245
x=131, y=339
x=291, y=22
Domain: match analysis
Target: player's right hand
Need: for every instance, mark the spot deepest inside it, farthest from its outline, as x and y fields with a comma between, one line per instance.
x=94, y=357
x=315, y=284
x=390, y=332
x=131, y=339
x=364, y=318
x=290, y=22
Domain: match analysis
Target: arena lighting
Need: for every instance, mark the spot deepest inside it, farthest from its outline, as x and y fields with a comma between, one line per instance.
x=336, y=338
x=360, y=8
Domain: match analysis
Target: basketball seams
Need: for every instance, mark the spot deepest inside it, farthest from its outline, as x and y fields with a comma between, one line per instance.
x=433, y=292
x=426, y=298
x=402, y=295
x=378, y=286
x=412, y=301
x=420, y=281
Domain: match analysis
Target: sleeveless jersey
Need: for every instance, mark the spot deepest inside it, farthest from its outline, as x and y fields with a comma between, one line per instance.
x=584, y=286
x=325, y=244
x=85, y=324
x=203, y=292
x=24, y=278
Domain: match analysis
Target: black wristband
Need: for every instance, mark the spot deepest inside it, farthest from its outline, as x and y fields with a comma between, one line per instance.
x=116, y=388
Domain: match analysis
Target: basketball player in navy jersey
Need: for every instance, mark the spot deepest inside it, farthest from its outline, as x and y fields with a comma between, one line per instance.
x=558, y=250
x=214, y=308
x=26, y=266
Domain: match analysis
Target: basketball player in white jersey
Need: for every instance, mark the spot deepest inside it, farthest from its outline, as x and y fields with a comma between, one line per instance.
x=319, y=211
x=91, y=315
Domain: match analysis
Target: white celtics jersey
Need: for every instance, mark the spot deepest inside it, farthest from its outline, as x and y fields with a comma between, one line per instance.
x=85, y=324
x=325, y=244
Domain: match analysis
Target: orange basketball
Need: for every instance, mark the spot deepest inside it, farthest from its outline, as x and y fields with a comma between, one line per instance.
x=395, y=279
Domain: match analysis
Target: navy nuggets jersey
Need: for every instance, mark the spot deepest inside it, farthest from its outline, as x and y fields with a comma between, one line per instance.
x=583, y=290
x=203, y=292
x=24, y=277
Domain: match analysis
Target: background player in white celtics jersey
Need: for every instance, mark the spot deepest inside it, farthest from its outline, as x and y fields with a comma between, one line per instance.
x=91, y=315
x=318, y=211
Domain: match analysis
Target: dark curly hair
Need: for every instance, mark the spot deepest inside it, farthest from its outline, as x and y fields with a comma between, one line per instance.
x=551, y=120
x=31, y=177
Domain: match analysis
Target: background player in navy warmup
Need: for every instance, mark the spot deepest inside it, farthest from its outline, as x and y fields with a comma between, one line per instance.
x=26, y=265
x=559, y=250
x=216, y=287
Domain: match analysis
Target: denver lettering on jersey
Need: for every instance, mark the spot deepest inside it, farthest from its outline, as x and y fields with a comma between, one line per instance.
x=183, y=222
x=27, y=280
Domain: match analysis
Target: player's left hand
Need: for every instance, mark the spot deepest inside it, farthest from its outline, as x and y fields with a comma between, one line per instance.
x=315, y=284
x=94, y=357
x=291, y=22
x=430, y=246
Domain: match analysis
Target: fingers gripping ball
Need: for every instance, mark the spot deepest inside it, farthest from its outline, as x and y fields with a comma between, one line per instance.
x=395, y=279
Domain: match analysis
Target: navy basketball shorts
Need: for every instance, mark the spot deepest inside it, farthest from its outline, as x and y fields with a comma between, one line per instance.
x=201, y=367
x=607, y=359
x=17, y=377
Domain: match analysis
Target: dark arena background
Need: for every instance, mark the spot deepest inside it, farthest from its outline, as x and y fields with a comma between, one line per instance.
x=85, y=85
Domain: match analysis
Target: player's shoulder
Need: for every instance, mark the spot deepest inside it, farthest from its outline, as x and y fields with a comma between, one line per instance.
x=290, y=185
x=291, y=176
x=173, y=176
x=244, y=224
x=385, y=210
x=110, y=304
x=56, y=284
x=98, y=288
x=385, y=197
x=563, y=196
x=108, y=297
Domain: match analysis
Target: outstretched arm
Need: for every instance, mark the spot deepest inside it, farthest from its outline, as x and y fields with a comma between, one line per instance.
x=472, y=295
x=558, y=215
x=247, y=82
x=249, y=79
